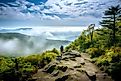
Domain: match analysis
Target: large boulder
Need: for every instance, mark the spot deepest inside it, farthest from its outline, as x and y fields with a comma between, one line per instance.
x=50, y=68
x=73, y=54
x=91, y=75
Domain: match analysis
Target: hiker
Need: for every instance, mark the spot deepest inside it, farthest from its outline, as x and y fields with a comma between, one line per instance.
x=61, y=50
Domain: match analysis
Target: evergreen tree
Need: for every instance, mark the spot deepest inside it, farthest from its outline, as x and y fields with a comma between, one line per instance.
x=112, y=15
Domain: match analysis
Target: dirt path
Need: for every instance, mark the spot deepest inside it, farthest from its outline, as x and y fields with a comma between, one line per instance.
x=100, y=75
x=73, y=67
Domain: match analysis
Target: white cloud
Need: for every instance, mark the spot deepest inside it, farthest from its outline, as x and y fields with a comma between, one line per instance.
x=56, y=9
x=81, y=6
x=35, y=7
x=51, y=17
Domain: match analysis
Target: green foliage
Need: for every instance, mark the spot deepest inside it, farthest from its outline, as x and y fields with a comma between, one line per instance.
x=46, y=58
x=116, y=71
x=111, y=62
x=105, y=45
x=112, y=15
x=72, y=46
x=95, y=52
x=9, y=72
x=33, y=59
x=5, y=64
x=22, y=68
x=54, y=50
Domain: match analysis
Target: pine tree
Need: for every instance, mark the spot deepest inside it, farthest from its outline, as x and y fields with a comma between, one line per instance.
x=112, y=15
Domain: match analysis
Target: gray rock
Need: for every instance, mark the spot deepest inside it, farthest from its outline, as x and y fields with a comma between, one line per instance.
x=73, y=59
x=82, y=63
x=64, y=78
x=91, y=75
x=62, y=68
x=49, y=69
x=79, y=66
x=55, y=73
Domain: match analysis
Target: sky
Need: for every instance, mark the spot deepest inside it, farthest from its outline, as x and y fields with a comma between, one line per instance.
x=37, y=13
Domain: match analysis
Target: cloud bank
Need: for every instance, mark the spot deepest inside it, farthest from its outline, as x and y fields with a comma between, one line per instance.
x=25, y=41
x=33, y=45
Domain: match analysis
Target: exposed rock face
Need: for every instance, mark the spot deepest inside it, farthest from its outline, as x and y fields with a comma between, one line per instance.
x=55, y=73
x=62, y=68
x=50, y=69
x=78, y=66
x=91, y=75
x=73, y=66
x=72, y=54
x=64, y=78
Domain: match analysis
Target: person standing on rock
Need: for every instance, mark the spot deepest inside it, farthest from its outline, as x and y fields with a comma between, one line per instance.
x=61, y=50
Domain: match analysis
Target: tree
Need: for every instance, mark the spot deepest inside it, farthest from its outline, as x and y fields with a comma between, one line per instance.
x=91, y=30
x=112, y=15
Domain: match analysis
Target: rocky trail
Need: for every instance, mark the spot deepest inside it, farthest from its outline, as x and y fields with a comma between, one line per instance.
x=72, y=67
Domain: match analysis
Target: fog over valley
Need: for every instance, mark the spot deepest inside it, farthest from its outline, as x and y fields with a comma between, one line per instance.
x=25, y=41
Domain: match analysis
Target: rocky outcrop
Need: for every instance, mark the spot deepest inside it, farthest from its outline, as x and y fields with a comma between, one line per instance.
x=72, y=66
x=91, y=75
x=64, y=78
x=62, y=68
x=49, y=69
x=55, y=73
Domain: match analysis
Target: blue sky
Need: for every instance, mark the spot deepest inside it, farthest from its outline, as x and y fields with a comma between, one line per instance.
x=15, y=13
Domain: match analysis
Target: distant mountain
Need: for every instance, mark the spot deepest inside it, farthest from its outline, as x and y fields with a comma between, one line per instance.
x=23, y=29
x=17, y=44
x=4, y=30
x=53, y=35
x=13, y=35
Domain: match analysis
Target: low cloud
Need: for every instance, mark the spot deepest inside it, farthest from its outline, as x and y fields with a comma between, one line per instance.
x=17, y=47
x=21, y=45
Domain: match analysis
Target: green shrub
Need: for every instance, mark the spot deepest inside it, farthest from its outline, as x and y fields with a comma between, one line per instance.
x=95, y=52
x=111, y=62
x=114, y=53
x=116, y=71
x=33, y=59
x=103, y=60
x=54, y=50
x=22, y=68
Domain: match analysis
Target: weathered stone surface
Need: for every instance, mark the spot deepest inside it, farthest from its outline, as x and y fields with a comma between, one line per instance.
x=91, y=75
x=64, y=78
x=80, y=70
x=73, y=54
x=58, y=58
x=65, y=58
x=62, y=68
x=73, y=59
x=72, y=67
x=49, y=69
x=78, y=66
x=82, y=63
x=55, y=73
